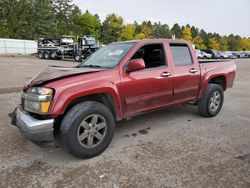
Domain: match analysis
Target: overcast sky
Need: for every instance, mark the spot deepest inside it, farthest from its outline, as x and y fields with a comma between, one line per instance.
x=221, y=16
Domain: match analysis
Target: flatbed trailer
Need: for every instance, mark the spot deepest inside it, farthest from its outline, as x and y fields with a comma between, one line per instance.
x=65, y=48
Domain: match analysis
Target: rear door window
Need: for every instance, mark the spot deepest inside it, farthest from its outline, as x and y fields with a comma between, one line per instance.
x=181, y=55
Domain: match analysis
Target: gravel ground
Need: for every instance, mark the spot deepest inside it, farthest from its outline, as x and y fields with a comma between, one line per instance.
x=169, y=148
x=16, y=71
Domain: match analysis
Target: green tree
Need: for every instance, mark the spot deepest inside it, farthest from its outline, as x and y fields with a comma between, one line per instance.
x=25, y=21
x=213, y=44
x=194, y=31
x=75, y=24
x=223, y=43
x=217, y=36
x=88, y=24
x=248, y=43
x=176, y=31
x=161, y=31
x=32, y=19
x=111, y=29
x=186, y=34
x=44, y=21
x=65, y=12
x=13, y=18
x=233, y=42
x=243, y=45
x=140, y=36
x=128, y=32
x=204, y=37
x=147, y=29
x=137, y=27
x=198, y=42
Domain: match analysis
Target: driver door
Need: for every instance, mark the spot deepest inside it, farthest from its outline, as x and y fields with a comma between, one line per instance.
x=149, y=88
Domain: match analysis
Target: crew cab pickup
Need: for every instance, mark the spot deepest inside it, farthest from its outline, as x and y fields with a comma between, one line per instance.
x=118, y=81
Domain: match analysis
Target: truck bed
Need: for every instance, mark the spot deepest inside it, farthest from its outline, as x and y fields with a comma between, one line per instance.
x=213, y=61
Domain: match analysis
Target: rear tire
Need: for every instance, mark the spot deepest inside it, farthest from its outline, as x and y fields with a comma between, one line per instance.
x=53, y=55
x=87, y=129
x=211, y=102
x=41, y=55
x=46, y=55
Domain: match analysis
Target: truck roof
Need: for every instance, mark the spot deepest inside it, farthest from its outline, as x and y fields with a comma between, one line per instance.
x=155, y=40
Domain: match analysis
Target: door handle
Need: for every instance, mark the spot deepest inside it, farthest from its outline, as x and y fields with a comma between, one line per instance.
x=165, y=74
x=193, y=70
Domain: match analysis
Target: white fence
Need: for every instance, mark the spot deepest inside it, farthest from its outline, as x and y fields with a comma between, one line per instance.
x=16, y=46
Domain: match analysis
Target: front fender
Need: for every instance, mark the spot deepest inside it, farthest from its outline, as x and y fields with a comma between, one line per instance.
x=64, y=97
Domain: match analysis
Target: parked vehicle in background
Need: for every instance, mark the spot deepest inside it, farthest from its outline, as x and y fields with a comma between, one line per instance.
x=206, y=55
x=46, y=42
x=64, y=47
x=66, y=40
x=239, y=54
x=198, y=54
x=231, y=55
x=203, y=55
x=242, y=54
x=118, y=81
x=215, y=54
x=235, y=54
x=248, y=53
x=245, y=54
x=223, y=55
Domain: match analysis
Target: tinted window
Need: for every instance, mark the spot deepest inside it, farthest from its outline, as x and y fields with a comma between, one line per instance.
x=181, y=55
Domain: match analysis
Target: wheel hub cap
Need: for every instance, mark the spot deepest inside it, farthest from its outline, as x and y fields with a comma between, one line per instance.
x=92, y=131
x=214, y=101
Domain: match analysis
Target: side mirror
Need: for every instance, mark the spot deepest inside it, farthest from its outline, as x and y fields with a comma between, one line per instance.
x=135, y=65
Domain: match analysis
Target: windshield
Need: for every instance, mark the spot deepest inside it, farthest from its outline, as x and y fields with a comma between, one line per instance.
x=108, y=56
x=91, y=42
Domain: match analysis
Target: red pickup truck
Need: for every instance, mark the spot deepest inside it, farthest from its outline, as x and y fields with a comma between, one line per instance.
x=118, y=81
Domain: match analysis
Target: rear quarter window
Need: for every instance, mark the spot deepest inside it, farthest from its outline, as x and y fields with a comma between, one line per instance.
x=181, y=55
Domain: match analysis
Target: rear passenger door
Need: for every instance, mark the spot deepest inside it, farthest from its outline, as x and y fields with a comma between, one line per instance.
x=186, y=73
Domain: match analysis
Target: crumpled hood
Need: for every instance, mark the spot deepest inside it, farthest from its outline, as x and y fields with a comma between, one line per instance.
x=54, y=72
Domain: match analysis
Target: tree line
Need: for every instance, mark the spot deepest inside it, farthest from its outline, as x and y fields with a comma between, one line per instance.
x=33, y=19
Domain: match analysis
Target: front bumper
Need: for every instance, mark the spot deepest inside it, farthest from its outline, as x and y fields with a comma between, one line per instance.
x=40, y=132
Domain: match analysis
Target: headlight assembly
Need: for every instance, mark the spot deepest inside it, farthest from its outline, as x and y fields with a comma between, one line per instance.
x=37, y=100
x=40, y=91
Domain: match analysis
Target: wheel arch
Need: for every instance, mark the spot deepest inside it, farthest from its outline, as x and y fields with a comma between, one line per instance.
x=104, y=98
x=220, y=80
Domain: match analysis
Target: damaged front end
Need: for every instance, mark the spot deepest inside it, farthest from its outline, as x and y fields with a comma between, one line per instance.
x=31, y=116
x=40, y=132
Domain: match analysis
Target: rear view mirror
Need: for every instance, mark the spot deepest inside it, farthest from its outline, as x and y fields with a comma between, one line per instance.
x=135, y=65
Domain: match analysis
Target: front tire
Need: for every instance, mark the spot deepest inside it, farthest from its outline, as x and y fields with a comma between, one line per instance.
x=87, y=129
x=211, y=102
x=78, y=57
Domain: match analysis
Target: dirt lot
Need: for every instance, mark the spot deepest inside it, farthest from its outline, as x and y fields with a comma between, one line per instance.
x=169, y=148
